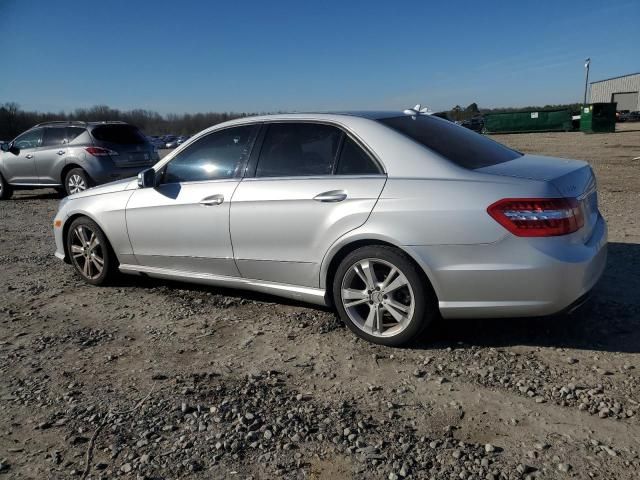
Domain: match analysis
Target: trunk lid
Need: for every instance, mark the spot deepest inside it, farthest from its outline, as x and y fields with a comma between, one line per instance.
x=572, y=178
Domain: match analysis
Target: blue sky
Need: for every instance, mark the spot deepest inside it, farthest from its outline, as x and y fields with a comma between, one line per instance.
x=191, y=56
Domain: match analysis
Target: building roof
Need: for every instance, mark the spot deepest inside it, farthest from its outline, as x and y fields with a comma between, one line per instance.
x=613, y=78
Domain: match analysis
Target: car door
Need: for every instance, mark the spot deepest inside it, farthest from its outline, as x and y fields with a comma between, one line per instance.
x=300, y=200
x=183, y=223
x=50, y=156
x=20, y=161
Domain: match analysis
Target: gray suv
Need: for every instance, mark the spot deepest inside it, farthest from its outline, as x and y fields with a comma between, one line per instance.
x=73, y=156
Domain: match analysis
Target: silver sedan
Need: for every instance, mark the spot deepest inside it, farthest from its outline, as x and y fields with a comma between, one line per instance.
x=393, y=218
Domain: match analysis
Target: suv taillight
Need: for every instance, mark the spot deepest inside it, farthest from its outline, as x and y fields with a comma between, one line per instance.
x=100, y=152
x=538, y=217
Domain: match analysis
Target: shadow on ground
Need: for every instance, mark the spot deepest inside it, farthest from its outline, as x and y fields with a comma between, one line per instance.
x=610, y=321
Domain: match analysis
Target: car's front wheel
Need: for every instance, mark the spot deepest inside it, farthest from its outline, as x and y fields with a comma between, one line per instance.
x=76, y=181
x=382, y=297
x=90, y=252
x=5, y=189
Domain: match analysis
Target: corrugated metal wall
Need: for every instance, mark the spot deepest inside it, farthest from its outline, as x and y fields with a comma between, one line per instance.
x=603, y=91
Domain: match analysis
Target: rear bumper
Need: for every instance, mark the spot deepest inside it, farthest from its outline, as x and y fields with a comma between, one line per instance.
x=514, y=277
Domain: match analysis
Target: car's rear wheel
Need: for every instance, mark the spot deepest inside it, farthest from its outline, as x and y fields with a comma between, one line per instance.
x=381, y=295
x=5, y=189
x=76, y=181
x=90, y=252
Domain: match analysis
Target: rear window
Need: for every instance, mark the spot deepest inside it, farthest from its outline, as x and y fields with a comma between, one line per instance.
x=122, y=134
x=457, y=144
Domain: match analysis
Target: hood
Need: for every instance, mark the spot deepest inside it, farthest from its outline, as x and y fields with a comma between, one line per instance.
x=117, y=186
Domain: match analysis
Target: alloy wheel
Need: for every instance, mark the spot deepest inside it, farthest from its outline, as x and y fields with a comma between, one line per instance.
x=87, y=252
x=76, y=184
x=377, y=297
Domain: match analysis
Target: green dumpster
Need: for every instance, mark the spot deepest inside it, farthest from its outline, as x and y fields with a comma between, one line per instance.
x=528, y=121
x=598, y=118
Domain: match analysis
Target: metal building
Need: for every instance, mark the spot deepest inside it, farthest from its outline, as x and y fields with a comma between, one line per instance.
x=624, y=90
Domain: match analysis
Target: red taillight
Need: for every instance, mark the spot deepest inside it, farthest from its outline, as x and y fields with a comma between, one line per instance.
x=538, y=217
x=100, y=152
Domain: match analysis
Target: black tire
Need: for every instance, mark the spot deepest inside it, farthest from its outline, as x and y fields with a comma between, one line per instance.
x=103, y=250
x=424, y=301
x=72, y=177
x=5, y=189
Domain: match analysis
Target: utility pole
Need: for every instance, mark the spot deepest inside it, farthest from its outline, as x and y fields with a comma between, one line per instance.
x=587, y=63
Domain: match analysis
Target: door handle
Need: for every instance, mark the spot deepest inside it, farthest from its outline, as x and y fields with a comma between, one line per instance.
x=60, y=152
x=212, y=200
x=331, y=196
x=28, y=155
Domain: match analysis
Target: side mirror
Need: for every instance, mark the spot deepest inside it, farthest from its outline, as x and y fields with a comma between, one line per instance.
x=5, y=147
x=147, y=178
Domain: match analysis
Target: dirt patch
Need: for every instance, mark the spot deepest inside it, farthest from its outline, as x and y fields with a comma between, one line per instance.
x=185, y=381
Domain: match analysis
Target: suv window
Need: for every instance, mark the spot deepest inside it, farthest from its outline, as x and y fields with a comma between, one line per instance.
x=457, y=144
x=73, y=133
x=54, y=136
x=30, y=139
x=118, y=133
x=355, y=161
x=298, y=149
x=216, y=156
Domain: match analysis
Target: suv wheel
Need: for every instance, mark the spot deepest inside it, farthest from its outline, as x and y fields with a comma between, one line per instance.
x=90, y=252
x=381, y=296
x=5, y=189
x=76, y=181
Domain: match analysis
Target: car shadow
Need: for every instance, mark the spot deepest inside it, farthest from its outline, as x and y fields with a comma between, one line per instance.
x=609, y=321
x=37, y=194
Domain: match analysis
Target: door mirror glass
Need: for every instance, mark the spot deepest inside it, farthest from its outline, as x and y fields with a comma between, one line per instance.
x=147, y=178
x=5, y=147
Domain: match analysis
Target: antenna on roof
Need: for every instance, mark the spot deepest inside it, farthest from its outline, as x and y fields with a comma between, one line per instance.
x=418, y=110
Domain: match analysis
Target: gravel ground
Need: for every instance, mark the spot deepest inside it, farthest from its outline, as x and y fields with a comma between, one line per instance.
x=156, y=380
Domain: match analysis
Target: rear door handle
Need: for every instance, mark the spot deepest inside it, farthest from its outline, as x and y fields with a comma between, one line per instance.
x=331, y=196
x=212, y=200
x=60, y=152
x=28, y=155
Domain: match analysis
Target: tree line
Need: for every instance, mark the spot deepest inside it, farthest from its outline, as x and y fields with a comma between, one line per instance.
x=14, y=120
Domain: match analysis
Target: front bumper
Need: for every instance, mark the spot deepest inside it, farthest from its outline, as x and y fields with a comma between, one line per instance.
x=514, y=277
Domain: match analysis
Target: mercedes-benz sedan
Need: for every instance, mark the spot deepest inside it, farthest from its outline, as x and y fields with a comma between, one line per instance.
x=393, y=218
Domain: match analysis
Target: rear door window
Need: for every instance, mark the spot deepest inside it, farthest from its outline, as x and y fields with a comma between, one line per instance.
x=120, y=134
x=73, y=133
x=457, y=144
x=54, y=136
x=355, y=161
x=298, y=149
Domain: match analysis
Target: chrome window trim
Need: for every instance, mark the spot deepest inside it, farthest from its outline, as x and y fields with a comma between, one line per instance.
x=315, y=177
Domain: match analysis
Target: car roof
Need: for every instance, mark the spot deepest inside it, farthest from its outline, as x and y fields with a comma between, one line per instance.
x=367, y=114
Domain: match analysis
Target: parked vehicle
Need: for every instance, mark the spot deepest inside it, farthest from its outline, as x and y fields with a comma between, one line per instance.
x=620, y=115
x=73, y=156
x=182, y=139
x=476, y=124
x=156, y=141
x=170, y=141
x=630, y=117
x=392, y=218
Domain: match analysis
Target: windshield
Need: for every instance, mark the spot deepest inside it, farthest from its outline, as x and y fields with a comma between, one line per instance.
x=457, y=144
